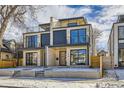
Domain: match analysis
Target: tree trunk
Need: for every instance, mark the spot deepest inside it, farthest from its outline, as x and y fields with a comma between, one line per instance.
x=5, y=23
x=2, y=30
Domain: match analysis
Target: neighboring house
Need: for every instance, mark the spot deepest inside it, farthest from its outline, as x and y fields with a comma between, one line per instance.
x=116, y=42
x=64, y=42
x=8, y=49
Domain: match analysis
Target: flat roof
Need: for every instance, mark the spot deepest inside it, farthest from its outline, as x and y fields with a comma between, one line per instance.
x=71, y=18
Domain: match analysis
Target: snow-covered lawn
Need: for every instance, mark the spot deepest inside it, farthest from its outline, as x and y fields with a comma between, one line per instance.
x=75, y=69
x=108, y=81
x=59, y=83
x=47, y=82
x=120, y=74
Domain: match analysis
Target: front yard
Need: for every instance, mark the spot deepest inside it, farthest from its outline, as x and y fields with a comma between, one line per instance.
x=59, y=82
x=112, y=78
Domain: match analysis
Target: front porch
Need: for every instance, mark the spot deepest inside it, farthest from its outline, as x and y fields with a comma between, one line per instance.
x=67, y=56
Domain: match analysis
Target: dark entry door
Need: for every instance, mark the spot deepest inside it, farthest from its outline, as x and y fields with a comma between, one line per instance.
x=62, y=58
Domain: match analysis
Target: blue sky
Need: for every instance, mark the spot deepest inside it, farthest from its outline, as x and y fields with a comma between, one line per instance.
x=100, y=16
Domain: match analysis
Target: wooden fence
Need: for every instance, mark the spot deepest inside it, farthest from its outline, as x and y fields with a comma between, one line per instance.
x=7, y=63
x=95, y=61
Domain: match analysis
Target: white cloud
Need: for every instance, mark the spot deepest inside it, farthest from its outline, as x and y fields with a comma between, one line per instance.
x=62, y=12
x=106, y=17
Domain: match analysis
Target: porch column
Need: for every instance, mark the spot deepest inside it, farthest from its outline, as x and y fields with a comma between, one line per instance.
x=39, y=59
x=116, y=46
x=51, y=31
x=39, y=40
x=46, y=55
x=68, y=36
x=24, y=58
x=68, y=57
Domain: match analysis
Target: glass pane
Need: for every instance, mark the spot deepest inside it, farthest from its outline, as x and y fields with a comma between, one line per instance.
x=32, y=41
x=121, y=32
x=82, y=36
x=82, y=57
x=82, y=39
x=78, y=57
x=31, y=58
x=74, y=37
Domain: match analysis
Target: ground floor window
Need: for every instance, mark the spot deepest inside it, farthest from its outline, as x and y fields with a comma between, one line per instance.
x=79, y=57
x=121, y=57
x=31, y=58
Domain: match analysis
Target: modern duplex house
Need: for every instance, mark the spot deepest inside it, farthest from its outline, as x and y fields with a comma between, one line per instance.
x=116, y=42
x=62, y=42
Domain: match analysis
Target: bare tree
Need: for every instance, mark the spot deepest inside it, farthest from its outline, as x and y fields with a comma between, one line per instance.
x=96, y=35
x=15, y=14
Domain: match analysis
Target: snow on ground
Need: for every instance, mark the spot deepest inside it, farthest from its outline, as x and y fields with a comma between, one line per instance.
x=11, y=69
x=24, y=68
x=75, y=69
x=110, y=80
x=47, y=82
x=59, y=83
x=51, y=68
x=120, y=74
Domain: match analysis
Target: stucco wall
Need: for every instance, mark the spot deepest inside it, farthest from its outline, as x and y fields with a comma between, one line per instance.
x=50, y=57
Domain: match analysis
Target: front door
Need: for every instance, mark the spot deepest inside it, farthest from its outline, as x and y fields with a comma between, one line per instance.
x=62, y=58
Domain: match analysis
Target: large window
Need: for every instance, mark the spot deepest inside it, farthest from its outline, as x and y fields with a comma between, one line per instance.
x=121, y=32
x=78, y=36
x=31, y=58
x=45, y=39
x=31, y=41
x=59, y=37
x=79, y=57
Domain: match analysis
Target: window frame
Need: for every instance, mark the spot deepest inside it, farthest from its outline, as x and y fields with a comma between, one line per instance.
x=120, y=38
x=77, y=50
x=78, y=36
x=32, y=41
x=29, y=57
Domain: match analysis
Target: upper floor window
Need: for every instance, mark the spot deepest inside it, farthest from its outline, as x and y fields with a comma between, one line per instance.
x=31, y=41
x=78, y=36
x=59, y=37
x=45, y=39
x=121, y=32
x=72, y=24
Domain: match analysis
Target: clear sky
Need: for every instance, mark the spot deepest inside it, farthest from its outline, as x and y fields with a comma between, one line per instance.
x=100, y=16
